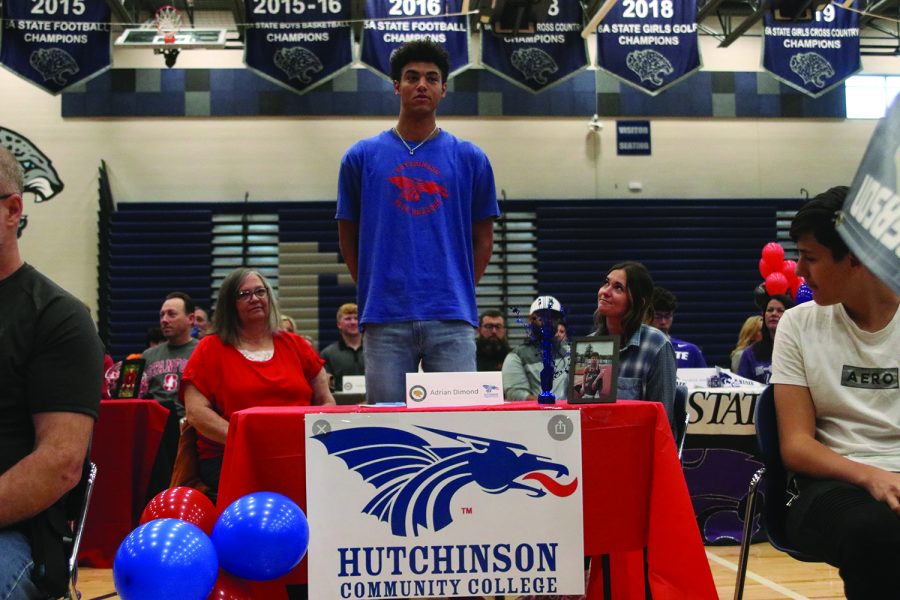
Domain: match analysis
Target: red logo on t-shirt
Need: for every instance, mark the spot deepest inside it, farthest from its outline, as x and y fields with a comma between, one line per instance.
x=412, y=189
x=416, y=189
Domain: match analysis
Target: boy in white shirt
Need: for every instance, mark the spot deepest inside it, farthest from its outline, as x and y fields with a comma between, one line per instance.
x=835, y=369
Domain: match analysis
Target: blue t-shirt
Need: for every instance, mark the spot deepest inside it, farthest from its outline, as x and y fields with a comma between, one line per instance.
x=415, y=215
x=687, y=355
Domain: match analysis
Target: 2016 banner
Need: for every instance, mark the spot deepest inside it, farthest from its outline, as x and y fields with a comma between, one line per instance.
x=298, y=43
x=650, y=44
x=56, y=43
x=813, y=56
x=391, y=23
x=870, y=221
x=539, y=60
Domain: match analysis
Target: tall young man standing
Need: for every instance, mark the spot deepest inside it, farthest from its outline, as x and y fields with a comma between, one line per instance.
x=415, y=217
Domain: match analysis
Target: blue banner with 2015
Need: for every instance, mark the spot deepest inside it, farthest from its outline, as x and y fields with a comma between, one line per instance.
x=298, y=43
x=543, y=58
x=816, y=55
x=650, y=44
x=55, y=43
x=391, y=23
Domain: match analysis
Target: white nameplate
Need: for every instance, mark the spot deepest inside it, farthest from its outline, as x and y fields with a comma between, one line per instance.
x=354, y=384
x=454, y=389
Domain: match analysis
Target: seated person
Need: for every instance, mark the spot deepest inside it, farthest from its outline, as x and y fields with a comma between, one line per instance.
x=523, y=367
x=646, y=359
x=491, y=345
x=247, y=361
x=51, y=362
x=751, y=332
x=687, y=355
x=756, y=361
x=345, y=356
x=835, y=369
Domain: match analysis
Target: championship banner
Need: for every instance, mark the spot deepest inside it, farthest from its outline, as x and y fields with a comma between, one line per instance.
x=56, y=43
x=813, y=56
x=870, y=220
x=391, y=23
x=444, y=504
x=537, y=61
x=298, y=44
x=650, y=44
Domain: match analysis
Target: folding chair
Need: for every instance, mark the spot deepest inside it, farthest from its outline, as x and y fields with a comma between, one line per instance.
x=774, y=475
x=79, y=516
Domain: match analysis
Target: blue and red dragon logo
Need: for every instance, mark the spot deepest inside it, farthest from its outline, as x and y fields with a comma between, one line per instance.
x=415, y=480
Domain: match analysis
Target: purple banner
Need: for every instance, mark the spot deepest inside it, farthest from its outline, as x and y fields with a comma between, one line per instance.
x=298, y=44
x=815, y=56
x=55, y=43
x=391, y=23
x=539, y=60
x=650, y=44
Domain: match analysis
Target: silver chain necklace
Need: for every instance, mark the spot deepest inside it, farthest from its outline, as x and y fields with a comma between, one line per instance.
x=412, y=149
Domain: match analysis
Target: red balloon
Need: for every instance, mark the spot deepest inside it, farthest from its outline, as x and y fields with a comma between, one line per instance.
x=183, y=503
x=229, y=587
x=764, y=268
x=776, y=283
x=773, y=254
x=787, y=269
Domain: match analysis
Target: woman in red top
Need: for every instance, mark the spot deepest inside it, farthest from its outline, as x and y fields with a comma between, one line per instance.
x=248, y=362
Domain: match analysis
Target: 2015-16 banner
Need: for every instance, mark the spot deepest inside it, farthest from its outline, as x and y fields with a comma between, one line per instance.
x=650, y=44
x=539, y=60
x=56, y=43
x=298, y=43
x=391, y=23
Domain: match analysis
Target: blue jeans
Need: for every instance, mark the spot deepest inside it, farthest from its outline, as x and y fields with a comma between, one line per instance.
x=395, y=349
x=16, y=567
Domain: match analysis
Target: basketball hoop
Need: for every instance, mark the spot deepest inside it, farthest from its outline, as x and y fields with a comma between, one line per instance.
x=168, y=22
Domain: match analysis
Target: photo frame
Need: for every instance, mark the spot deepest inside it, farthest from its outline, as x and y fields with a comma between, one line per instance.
x=593, y=369
x=129, y=384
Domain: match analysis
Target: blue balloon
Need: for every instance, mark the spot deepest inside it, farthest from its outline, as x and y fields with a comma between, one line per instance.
x=804, y=294
x=261, y=536
x=165, y=558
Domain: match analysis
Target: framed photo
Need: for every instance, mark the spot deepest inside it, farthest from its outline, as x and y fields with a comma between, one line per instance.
x=593, y=369
x=129, y=385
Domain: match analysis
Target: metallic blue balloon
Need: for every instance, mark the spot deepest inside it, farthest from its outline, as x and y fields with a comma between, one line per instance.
x=165, y=558
x=261, y=536
x=804, y=294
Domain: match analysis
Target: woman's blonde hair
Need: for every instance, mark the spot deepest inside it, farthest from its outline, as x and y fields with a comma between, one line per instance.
x=749, y=330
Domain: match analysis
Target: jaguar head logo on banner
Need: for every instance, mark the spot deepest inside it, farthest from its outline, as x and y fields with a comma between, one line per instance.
x=416, y=480
x=41, y=179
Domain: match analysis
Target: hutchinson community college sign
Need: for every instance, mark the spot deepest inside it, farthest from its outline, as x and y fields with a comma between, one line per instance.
x=423, y=504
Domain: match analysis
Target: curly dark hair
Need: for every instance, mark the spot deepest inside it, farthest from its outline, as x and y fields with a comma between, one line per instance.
x=425, y=50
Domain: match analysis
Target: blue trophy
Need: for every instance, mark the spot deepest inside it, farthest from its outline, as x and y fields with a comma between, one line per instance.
x=543, y=307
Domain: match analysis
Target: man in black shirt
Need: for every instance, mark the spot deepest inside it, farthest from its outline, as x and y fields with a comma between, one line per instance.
x=491, y=345
x=51, y=369
x=345, y=356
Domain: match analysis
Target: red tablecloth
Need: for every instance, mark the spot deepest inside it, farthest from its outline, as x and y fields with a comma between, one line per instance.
x=634, y=491
x=126, y=438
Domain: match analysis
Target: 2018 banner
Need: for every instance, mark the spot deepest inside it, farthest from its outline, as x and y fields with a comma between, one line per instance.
x=56, y=43
x=813, y=56
x=298, y=44
x=391, y=23
x=870, y=221
x=539, y=60
x=650, y=44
